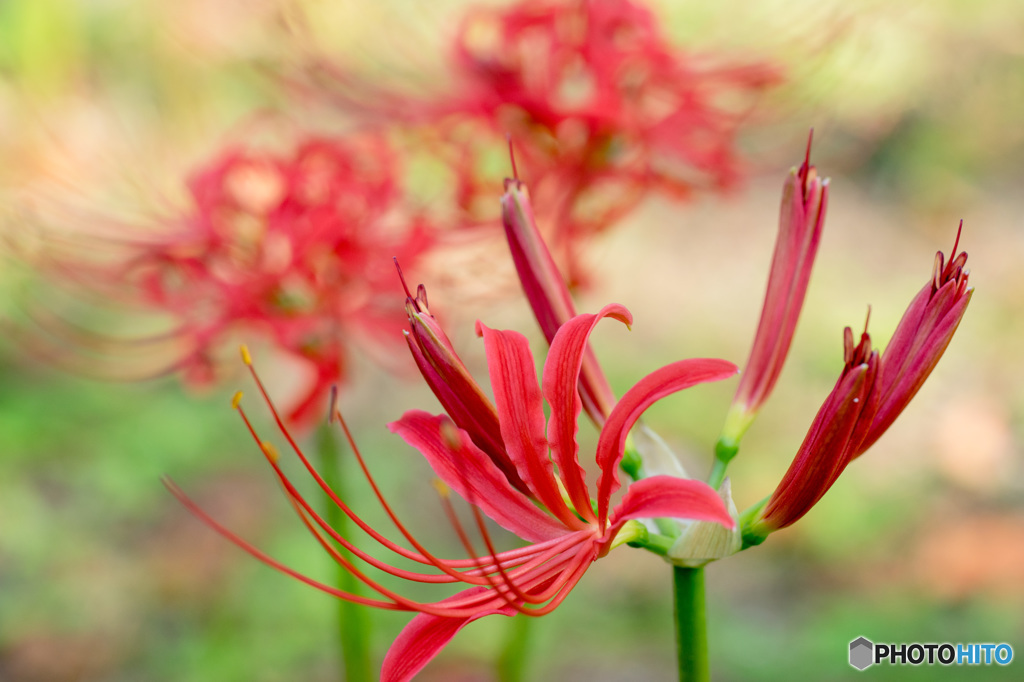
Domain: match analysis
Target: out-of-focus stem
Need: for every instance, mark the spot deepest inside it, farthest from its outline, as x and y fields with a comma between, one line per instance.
x=514, y=658
x=353, y=619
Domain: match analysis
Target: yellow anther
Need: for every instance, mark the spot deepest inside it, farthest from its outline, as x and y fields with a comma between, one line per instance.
x=244, y=350
x=442, y=489
x=236, y=400
x=270, y=451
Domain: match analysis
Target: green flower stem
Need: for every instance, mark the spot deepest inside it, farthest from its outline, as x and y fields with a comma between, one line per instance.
x=353, y=619
x=691, y=624
x=514, y=656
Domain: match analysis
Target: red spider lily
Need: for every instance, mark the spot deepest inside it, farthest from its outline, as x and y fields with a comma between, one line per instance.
x=603, y=109
x=870, y=394
x=292, y=245
x=555, y=514
x=801, y=219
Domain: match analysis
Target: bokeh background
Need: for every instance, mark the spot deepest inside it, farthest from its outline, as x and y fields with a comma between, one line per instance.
x=917, y=109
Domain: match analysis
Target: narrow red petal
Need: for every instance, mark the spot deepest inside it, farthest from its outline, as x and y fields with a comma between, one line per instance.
x=424, y=637
x=521, y=416
x=561, y=376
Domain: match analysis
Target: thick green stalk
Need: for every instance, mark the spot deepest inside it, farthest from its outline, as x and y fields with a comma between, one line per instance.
x=353, y=619
x=691, y=624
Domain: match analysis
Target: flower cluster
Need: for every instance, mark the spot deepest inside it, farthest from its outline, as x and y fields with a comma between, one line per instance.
x=297, y=246
x=602, y=109
x=522, y=470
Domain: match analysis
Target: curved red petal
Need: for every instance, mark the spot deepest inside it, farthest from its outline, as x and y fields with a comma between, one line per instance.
x=652, y=388
x=424, y=637
x=671, y=497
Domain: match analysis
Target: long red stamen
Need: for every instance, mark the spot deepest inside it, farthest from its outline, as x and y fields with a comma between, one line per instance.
x=424, y=557
x=408, y=604
x=269, y=561
x=337, y=537
x=421, y=558
x=481, y=526
x=444, y=566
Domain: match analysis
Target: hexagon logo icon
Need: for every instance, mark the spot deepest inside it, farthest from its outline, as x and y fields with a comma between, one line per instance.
x=861, y=653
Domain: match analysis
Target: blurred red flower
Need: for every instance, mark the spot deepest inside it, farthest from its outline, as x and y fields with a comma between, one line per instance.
x=602, y=110
x=295, y=246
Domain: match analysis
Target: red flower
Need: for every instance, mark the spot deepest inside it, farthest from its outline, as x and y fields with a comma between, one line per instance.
x=554, y=513
x=870, y=394
x=293, y=245
x=599, y=103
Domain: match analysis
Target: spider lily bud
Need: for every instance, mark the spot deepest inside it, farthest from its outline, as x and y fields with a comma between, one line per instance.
x=834, y=436
x=871, y=393
x=456, y=390
x=547, y=292
x=920, y=339
x=801, y=219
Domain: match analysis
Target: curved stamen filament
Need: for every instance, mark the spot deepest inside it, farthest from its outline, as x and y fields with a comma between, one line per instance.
x=514, y=558
x=539, y=574
x=425, y=557
x=265, y=558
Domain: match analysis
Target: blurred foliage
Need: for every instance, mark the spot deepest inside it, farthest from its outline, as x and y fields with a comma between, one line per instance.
x=917, y=108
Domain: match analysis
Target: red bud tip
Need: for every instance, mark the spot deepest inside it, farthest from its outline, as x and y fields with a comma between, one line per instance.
x=401, y=276
x=333, y=404
x=512, y=157
x=805, y=169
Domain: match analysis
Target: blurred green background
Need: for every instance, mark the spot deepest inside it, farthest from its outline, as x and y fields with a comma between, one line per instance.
x=917, y=112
